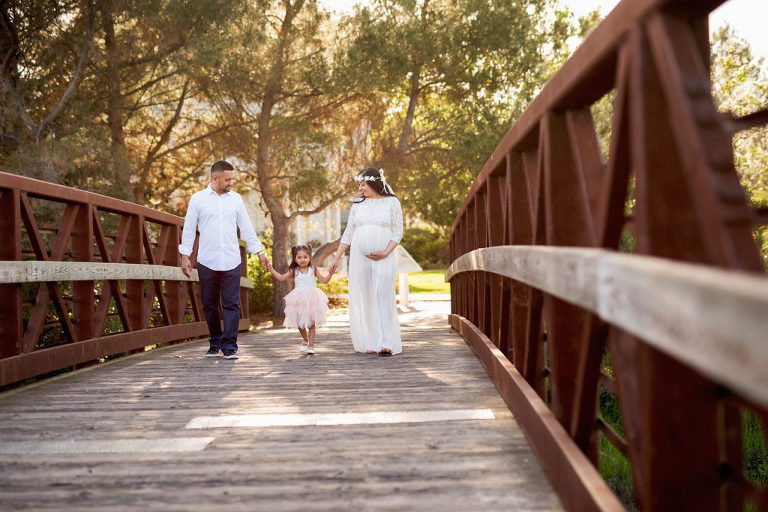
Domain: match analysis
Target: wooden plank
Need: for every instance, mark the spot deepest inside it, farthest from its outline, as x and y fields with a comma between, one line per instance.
x=578, y=483
x=47, y=271
x=657, y=300
x=447, y=465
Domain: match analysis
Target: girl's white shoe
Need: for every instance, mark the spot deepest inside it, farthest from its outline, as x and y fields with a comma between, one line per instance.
x=303, y=347
x=311, y=350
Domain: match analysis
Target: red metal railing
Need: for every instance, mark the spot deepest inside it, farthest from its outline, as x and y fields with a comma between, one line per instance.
x=669, y=187
x=84, y=276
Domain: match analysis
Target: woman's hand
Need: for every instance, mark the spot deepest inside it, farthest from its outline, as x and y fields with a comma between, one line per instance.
x=333, y=266
x=378, y=255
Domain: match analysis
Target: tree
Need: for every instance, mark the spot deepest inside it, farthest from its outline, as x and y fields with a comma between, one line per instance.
x=54, y=66
x=129, y=114
x=290, y=103
x=455, y=74
x=740, y=88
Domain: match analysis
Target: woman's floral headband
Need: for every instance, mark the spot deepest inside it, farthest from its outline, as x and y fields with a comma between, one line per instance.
x=372, y=178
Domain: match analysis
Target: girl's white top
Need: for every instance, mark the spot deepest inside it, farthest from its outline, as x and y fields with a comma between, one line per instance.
x=302, y=280
x=384, y=212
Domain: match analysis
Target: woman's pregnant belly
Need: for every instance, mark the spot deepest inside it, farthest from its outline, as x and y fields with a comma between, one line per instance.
x=370, y=238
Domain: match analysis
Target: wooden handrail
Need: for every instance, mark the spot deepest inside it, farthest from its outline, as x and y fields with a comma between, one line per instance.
x=679, y=323
x=49, y=271
x=659, y=300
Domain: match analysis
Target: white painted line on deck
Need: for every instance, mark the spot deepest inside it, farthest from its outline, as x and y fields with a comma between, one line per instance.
x=170, y=444
x=362, y=418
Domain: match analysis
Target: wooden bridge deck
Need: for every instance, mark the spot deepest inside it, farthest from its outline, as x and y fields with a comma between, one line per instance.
x=117, y=436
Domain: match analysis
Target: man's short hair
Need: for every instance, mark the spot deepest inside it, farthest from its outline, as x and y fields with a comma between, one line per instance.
x=221, y=165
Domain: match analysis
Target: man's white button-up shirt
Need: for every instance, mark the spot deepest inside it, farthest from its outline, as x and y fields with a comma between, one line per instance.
x=217, y=217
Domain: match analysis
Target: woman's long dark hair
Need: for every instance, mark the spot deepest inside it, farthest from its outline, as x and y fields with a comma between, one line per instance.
x=376, y=184
x=294, y=250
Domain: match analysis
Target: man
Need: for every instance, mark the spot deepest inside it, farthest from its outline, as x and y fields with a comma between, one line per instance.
x=217, y=212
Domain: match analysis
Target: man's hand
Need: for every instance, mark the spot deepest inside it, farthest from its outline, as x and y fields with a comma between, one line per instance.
x=265, y=261
x=186, y=265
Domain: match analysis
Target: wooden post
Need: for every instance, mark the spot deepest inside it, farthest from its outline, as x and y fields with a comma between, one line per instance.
x=403, y=282
x=83, y=297
x=11, y=314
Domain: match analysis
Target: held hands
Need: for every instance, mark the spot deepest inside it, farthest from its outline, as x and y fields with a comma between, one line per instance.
x=265, y=262
x=333, y=267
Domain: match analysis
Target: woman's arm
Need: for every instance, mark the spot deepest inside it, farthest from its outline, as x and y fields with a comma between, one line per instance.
x=380, y=255
x=322, y=278
x=339, y=252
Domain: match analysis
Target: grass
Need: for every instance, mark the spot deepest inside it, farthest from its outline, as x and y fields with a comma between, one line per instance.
x=428, y=281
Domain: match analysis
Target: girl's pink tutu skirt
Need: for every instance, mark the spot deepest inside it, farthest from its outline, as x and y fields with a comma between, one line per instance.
x=305, y=307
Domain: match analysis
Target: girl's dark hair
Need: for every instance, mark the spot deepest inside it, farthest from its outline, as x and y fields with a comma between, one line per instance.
x=294, y=250
x=376, y=184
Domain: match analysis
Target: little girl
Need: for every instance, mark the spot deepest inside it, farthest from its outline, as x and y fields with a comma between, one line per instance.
x=305, y=306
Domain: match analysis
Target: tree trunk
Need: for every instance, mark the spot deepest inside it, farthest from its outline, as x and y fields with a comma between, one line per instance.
x=405, y=134
x=280, y=222
x=115, y=104
x=325, y=250
x=280, y=262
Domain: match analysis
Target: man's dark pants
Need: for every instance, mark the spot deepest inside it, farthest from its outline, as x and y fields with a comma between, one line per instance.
x=224, y=285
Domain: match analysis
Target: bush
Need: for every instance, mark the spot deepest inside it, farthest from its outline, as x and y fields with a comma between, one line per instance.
x=427, y=246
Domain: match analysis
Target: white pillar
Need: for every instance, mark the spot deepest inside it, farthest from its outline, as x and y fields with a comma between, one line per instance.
x=403, y=288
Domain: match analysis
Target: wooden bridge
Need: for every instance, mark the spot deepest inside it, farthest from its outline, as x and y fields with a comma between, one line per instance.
x=672, y=328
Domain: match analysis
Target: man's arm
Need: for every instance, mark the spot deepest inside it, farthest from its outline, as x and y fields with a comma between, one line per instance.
x=249, y=234
x=188, y=237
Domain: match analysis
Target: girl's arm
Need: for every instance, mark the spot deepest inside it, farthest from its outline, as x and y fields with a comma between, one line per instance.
x=278, y=276
x=322, y=278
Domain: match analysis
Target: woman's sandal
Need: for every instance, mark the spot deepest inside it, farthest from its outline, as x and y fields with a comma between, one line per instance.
x=385, y=352
x=371, y=352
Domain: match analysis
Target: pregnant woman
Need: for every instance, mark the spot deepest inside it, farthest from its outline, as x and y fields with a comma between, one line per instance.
x=374, y=229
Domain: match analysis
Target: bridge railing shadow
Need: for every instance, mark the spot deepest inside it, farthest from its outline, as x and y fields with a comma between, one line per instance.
x=633, y=278
x=85, y=276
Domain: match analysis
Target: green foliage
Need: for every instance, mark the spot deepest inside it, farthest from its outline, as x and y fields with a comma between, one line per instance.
x=755, y=451
x=614, y=466
x=338, y=285
x=740, y=86
x=260, y=296
x=429, y=281
x=426, y=245
x=617, y=473
x=453, y=76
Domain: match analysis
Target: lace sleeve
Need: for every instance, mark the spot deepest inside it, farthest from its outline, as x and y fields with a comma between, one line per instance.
x=397, y=220
x=346, y=238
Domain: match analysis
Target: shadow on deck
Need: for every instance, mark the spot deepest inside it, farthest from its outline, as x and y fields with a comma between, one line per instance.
x=118, y=436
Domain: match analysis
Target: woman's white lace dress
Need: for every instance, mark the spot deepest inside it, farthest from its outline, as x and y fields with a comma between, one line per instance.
x=373, y=321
